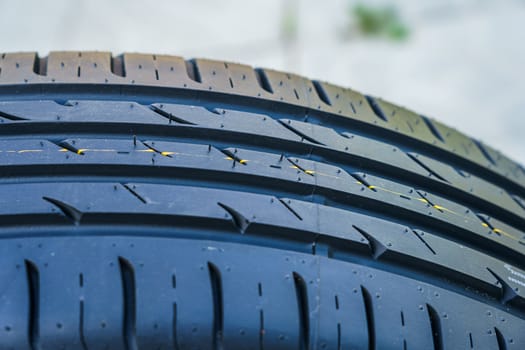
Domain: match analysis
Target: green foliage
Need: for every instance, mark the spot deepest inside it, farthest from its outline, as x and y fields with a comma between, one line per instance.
x=379, y=22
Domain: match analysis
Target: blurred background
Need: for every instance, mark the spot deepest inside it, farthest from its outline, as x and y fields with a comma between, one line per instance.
x=460, y=61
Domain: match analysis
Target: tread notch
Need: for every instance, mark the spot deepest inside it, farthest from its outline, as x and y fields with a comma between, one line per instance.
x=304, y=314
x=218, y=315
x=376, y=246
x=430, y=125
x=68, y=210
x=319, y=89
x=369, y=313
x=375, y=108
x=239, y=221
x=193, y=71
x=435, y=327
x=502, y=344
x=129, y=330
x=33, y=280
x=262, y=79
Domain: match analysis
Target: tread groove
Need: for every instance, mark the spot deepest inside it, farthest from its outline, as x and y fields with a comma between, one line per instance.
x=295, y=131
x=11, y=117
x=430, y=125
x=376, y=247
x=435, y=327
x=261, y=329
x=287, y=206
x=33, y=280
x=238, y=220
x=415, y=159
x=507, y=293
x=321, y=93
x=68, y=210
x=174, y=328
x=262, y=79
x=304, y=314
x=135, y=193
x=424, y=242
x=117, y=66
x=129, y=328
x=218, y=312
x=369, y=313
x=169, y=116
x=484, y=151
x=375, y=108
x=81, y=326
x=193, y=71
x=502, y=344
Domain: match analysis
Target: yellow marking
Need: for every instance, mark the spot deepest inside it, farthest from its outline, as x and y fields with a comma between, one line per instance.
x=371, y=187
x=243, y=161
x=484, y=224
x=81, y=151
x=63, y=150
x=294, y=167
x=146, y=150
x=167, y=153
x=422, y=200
x=309, y=172
x=228, y=158
x=359, y=182
x=497, y=230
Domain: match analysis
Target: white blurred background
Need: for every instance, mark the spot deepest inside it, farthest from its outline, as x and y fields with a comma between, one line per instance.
x=462, y=62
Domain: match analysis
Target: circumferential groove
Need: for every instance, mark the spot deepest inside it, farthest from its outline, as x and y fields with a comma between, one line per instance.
x=33, y=281
x=129, y=329
x=319, y=89
x=218, y=312
x=262, y=79
x=304, y=314
x=193, y=70
x=118, y=67
x=435, y=327
x=369, y=313
x=375, y=108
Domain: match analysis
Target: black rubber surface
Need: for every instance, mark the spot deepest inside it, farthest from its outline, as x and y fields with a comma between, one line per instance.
x=148, y=202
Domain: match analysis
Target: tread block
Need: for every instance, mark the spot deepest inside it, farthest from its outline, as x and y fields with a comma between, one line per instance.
x=83, y=111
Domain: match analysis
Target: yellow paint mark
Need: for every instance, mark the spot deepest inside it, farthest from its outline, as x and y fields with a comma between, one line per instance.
x=422, y=200
x=484, y=224
x=149, y=150
x=228, y=158
x=63, y=150
x=359, y=182
x=166, y=153
x=81, y=151
x=439, y=207
x=372, y=187
x=243, y=161
x=309, y=172
x=294, y=167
